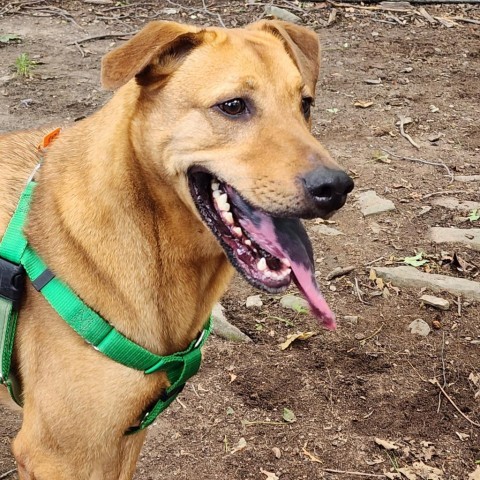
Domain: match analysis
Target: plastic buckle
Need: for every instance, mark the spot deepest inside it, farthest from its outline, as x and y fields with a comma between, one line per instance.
x=12, y=282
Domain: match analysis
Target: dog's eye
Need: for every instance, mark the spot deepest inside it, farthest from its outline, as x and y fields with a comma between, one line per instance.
x=307, y=103
x=233, y=107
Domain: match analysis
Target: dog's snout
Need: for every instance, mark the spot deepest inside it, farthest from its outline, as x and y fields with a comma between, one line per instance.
x=328, y=187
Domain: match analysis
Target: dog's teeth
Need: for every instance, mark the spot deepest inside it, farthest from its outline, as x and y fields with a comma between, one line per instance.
x=248, y=242
x=215, y=185
x=286, y=262
x=228, y=217
x=262, y=264
x=216, y=193
x=222, y=203
x=237, y=231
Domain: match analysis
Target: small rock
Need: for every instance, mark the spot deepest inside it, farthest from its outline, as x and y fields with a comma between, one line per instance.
x=375, y=228
x=254, y=301
x=436, y=324
x=293, y=303
x=436, y=302
x=372, y=204
x=410, y=277
x=276, y=451
x=419, y=327
x=329, y=231
x=282, y=14
x=359, y=336
x=470, y=236
x=353, y=319
x=434, y=137
x=454, y=204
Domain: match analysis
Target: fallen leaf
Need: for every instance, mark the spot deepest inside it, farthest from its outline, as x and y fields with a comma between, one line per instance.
x=380, y=156
x=373, y=275
x=296, y=336
x=270, y=475
x=311, y=456
x=233, y=377
x=230, y=411
x=242, y=443
x=475, y=475
x=289, y=416
x=386, y=444
x=10, y=37
x=415, y=261
x=407, y=473
x=362, y=104
x=332, y=110
x=474, y=378
x=474, y=215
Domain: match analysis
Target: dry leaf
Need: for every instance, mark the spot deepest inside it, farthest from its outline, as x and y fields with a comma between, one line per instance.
x=407, y=473
x=474, y=378
x=373, y=275
x=311, y=456
x=233, y=377
x=475, y=475
x=427, y=472
x=386, y=444
x=362, y=104
x=296, y=336
x=270, y=475
x=242, y=443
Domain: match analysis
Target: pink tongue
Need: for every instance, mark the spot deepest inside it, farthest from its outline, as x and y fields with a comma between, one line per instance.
x=287, y=238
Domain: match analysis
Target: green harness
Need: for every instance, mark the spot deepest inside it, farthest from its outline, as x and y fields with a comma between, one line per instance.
x=17, y=257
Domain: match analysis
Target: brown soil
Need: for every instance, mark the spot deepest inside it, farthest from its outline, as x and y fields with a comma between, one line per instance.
x=370, y=378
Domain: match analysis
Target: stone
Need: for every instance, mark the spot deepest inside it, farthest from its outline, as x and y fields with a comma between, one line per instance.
x=282, y=14
x=467, y=178
x=375, y=228
x=419, y=327
x=454, y=204
x=292, y=302
x=324, y=230
x=353, y=319
x=372, y=204
x=254, y=301
x=437, y=302
x=465, y=236
x=410, y=277
x=226, y=330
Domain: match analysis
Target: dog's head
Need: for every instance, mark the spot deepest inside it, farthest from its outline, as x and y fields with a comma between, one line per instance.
x=225, y=114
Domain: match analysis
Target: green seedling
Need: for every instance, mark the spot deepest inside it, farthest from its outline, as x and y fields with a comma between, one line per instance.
x=24, y=65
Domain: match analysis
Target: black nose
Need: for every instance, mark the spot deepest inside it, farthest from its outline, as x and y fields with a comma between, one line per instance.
x=328, y=187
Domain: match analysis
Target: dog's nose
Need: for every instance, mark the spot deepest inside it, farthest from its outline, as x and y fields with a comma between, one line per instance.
x=328, y=187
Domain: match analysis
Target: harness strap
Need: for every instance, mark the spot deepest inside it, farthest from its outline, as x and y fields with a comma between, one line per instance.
x=16, y=254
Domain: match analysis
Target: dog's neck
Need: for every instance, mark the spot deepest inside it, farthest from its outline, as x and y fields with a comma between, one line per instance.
x=122, y=238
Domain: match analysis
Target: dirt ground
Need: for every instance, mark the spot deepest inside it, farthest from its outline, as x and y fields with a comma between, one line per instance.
x=370, y=378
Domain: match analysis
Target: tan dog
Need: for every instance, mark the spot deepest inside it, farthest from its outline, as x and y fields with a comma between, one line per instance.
x=206, y=144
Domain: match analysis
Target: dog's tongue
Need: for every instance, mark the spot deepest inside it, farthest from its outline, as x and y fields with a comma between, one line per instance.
x=287, y=238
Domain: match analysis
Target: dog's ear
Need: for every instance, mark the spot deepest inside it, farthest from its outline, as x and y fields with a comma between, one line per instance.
x=151, y=55
x=302, y=45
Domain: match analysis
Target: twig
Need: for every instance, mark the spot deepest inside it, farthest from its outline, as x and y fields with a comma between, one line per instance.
x=374, y=261
x=358, y=291
x=376, y=332
x=80, y=49
x=348, y=472
x=104, y=35
x=459, y=306
x=417, y=372
x=248, y=423
x=442, y=356
x=443, y=192
x=340, y=272
x=181, y=403
x=7, y=474
x=434, y=381
x=419, y=160
x=406, y=135
x=201, y=10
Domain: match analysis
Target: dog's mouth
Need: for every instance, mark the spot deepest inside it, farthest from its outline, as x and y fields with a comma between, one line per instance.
x=268, y=251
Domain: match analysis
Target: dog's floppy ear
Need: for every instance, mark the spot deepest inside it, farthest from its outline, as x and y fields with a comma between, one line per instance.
x=302, y=45
x=151, y=55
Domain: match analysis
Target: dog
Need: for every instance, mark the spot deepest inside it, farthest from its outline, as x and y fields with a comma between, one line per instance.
x=202, y=162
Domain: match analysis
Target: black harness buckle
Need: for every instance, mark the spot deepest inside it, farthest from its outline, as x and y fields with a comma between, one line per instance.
x=12, y=282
